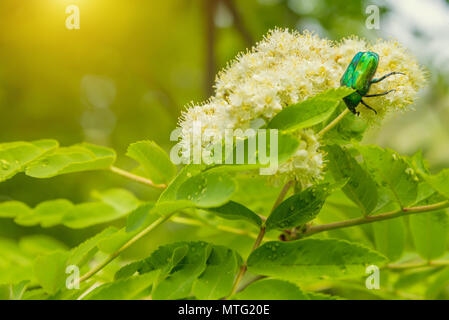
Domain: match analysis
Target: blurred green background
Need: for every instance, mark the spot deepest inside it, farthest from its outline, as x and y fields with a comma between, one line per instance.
x=133, y=65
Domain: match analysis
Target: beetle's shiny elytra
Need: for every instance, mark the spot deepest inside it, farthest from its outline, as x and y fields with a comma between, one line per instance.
x=359, y=76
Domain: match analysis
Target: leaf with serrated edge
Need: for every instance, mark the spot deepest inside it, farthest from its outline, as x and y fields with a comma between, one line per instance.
x=312, y=258
x=309, y=112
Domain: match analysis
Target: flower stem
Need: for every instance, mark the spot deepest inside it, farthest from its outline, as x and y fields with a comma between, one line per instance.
x=369, y=219
x=260, y=236
x=130, y=242
x=334, y=122
x=136, y=178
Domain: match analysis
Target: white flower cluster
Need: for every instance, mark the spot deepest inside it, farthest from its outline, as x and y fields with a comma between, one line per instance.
x=289, y=67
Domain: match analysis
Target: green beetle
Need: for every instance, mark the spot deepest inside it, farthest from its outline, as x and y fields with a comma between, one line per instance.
x=359, y=76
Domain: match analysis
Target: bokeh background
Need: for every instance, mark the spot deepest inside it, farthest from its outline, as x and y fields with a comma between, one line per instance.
x=133, y=65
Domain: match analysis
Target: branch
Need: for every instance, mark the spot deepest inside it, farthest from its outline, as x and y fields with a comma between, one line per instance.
x=136, y=178
x=414, y=265
x=130, y=242
x=260, y=236
x=369, y=219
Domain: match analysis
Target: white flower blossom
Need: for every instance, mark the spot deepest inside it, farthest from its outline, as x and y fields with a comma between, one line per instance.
x=287, y=67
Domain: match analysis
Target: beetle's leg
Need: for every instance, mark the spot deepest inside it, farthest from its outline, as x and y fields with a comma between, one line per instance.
x=363, y=102
x=380, y=94
x=386, y=76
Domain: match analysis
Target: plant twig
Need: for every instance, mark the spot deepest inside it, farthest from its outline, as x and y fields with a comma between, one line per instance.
x=130, y=242
x=369, y=219
x=420, y=264
x=136, y=178
x=282, y=195
x=334, y=122
x=260, y=236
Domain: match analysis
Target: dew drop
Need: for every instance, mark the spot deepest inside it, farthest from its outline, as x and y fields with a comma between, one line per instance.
x=4, y=164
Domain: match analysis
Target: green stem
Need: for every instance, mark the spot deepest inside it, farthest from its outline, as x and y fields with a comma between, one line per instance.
x=369, y=219
x=260, y=236
x=136, y=178
x=334, y=122
x=420, y=264
x=244, y=266
x=129, y=243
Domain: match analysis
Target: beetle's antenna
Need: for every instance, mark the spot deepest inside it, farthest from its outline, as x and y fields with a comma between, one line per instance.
x=363, y=102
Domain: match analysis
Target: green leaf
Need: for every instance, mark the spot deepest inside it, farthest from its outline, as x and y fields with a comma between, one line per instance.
x=112, y=243
x=154, y=160
x=19, y=289
x=235, y=211
x=217, y=279
x=14, y=156
x=207, y=189
x=309, y=112
x=121, y=200
x=15, y=265
x=349, y=129
x=188, y=268
x=35, y=294
x=125, y=289
x=138, y=217
x=419, y=163
x=190, y=170
x=413, y=277
x=389, y=237
x=251, y=157
x=178, y=284
x=47, y=214
x=312, y=258
x=50, y=271
x=11, y=209
x=394, y=171
x=166, y=208
x=79, y=254
x=113, y=204
x=5, y=292
x=438, y=284
x=439, y=182
x=272, y=289
x=90, y=213
x=77, y=158
x=165, y=258
x=299, y=208
x=361, y=188
x=38, y=244
x=321, y=296
x=430, y=233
